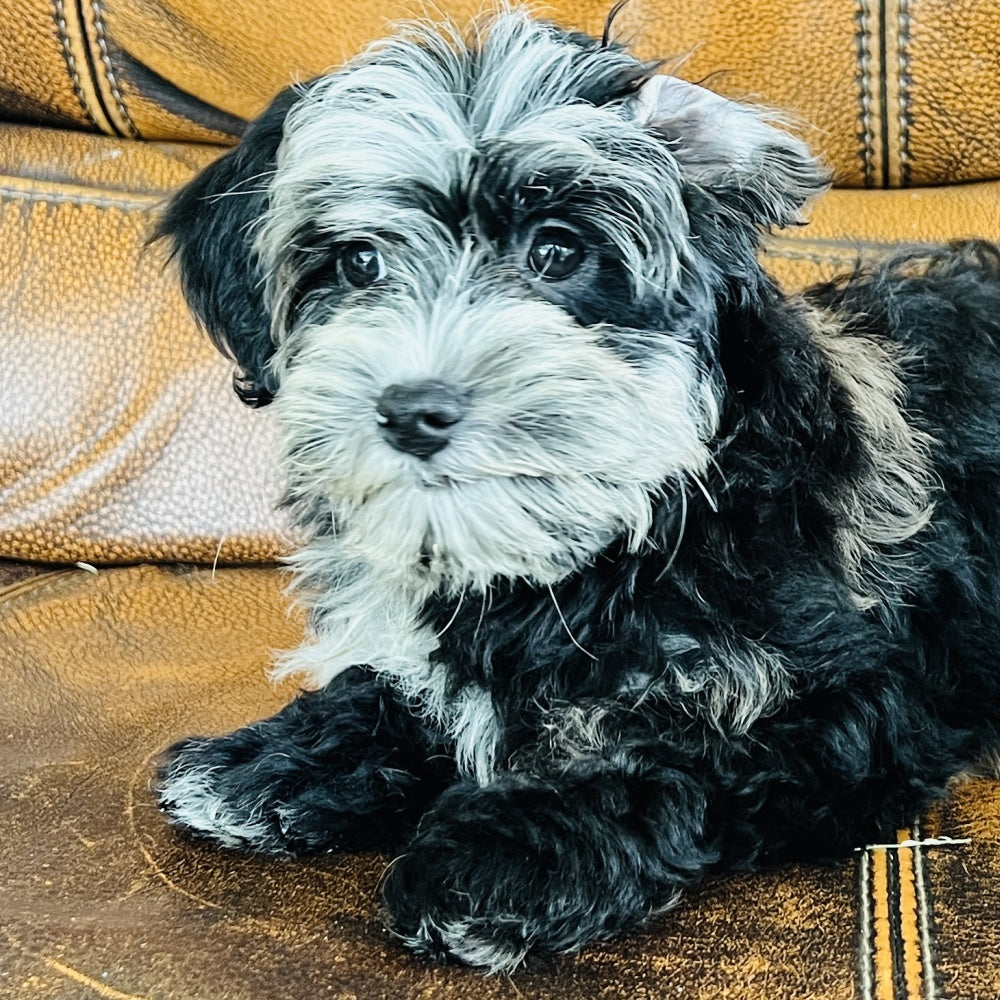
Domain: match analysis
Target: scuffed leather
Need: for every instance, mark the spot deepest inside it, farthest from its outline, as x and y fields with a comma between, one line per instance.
x=101, y=898
x=950, y=101
x=99, y=672
x=120, y=437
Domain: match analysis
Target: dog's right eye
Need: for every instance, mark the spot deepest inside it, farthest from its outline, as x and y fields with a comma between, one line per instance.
x=361, y=264
x=555, y=253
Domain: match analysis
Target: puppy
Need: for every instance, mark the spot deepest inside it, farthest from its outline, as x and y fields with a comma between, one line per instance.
x=624, y=568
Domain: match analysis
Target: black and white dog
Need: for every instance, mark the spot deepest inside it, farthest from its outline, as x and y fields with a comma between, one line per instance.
x=623, y=566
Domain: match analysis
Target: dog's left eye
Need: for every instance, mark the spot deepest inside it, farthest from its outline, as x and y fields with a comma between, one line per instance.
x=555, y=253
x=361, y=264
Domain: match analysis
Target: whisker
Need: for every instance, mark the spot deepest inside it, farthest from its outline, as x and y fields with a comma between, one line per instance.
x=565, y=625
x=704, y=489
x=451, y=621
x=482, y=613
x=680, y=531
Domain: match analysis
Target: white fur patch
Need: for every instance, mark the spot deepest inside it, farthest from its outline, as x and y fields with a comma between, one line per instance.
x=461, y=940
x=195, y=805
x=894, y=499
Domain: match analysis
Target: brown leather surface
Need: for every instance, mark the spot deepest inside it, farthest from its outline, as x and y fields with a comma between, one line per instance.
x=967, y=890
x=949, y=101
x=98, y=672
x=892, y=92
x=120, y=437
x=100, y=898
x=40, y=75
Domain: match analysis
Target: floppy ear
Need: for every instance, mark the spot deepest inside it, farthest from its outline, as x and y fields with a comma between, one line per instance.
x=210, y=224
x=732, y=150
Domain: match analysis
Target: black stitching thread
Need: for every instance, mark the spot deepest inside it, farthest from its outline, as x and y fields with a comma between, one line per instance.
x=863, y=20
x=905, y=172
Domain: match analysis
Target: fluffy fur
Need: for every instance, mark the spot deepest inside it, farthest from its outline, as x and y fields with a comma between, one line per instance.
x=623, y=567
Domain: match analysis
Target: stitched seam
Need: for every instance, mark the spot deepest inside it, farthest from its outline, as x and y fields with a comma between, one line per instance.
x=904, y=92
x=926, y=919
x=63, y=28
x=883, y=90
x=8, y=194
x=116, y=93
x=815, y=257
x=819, y=260
x=865, y=930
x=865, y=81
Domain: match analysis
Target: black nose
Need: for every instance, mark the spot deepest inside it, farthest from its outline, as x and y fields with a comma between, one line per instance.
x=418, y=417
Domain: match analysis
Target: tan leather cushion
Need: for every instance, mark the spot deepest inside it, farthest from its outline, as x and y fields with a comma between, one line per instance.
x=100, y=898
x=120, y=437
x=847, y=227
x=892, y=92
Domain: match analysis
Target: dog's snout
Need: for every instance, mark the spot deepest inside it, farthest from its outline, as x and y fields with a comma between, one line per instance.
x=419, y=417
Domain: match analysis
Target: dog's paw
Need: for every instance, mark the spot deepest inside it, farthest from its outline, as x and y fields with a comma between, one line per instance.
x=204, y=787
x=528, y=867
x=500, y=873
x=439, y=911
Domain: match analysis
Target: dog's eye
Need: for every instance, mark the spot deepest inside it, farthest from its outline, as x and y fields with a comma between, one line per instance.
x=361, y=264
x=555, y=253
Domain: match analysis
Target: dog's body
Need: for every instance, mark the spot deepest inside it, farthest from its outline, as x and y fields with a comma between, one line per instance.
x=623, y=567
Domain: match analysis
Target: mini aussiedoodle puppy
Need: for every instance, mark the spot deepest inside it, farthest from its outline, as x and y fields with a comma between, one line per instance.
x=623, y=566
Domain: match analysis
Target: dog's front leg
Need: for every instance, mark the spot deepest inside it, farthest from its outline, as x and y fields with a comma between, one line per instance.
x=348, y=766
x=546, y=864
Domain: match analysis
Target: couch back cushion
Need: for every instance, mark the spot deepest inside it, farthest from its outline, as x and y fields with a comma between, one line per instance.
x=891, y=92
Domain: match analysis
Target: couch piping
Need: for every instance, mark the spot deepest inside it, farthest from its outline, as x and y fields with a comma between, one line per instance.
x=101, y=34
x=67, y=50
x=865, y=96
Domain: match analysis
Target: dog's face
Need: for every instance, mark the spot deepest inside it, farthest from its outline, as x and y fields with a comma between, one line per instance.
x=482, y=282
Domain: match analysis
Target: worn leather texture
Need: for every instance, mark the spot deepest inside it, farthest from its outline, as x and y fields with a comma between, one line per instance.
x=120, y=437
x=101, y=899
x=892, y=92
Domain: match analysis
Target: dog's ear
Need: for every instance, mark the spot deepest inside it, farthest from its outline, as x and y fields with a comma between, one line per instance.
x=732, y=150
x=210, y=224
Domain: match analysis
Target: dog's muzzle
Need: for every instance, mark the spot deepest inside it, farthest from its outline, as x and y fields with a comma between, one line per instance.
x=419, y=417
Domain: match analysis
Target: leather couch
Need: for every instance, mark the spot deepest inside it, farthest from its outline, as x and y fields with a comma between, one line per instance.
x=139, y=596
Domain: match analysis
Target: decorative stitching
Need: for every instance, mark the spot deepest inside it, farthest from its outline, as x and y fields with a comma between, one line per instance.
x=866, y=931
x=102, y=44
x=97, y=201
x=63, y=28
x=904, y=92
x=842, y=260
x=896, y=919
x=926, y=917
x=866, y=96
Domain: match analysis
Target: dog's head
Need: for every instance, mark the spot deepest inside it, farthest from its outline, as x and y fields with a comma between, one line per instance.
x=481, y=276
